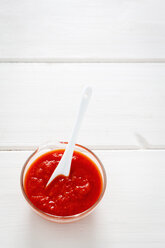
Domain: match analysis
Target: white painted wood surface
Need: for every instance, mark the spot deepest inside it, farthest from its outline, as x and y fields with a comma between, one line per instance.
x=131, y=213
x=82, y=30
x=126, y=111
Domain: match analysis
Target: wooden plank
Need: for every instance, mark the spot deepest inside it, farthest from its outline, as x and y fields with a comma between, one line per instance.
x=131, y=213
x=87, y=30
x=38, y=103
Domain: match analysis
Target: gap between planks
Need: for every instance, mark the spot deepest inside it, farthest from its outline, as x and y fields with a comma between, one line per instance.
x=80, y=60
x=92, y=147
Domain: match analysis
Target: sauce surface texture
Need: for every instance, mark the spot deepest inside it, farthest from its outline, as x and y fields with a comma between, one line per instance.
x=64, y=196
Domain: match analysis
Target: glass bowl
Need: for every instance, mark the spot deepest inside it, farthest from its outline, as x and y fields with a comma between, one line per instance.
x=56, y=146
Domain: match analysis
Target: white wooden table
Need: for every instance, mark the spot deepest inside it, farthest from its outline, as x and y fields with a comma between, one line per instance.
x=48, y=51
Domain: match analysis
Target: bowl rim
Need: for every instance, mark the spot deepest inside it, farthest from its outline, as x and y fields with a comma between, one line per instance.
x=59, y=217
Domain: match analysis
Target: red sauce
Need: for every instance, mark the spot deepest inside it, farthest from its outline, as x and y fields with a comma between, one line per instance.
x=65, y=195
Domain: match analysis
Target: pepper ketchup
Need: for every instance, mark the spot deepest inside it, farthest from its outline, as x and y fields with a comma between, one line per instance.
x=64, y=196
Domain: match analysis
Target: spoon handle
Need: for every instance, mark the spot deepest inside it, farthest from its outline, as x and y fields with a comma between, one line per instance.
x=86, y=95
x=65, y=162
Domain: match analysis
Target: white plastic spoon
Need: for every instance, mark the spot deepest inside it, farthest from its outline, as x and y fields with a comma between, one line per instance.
x=64, y=165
